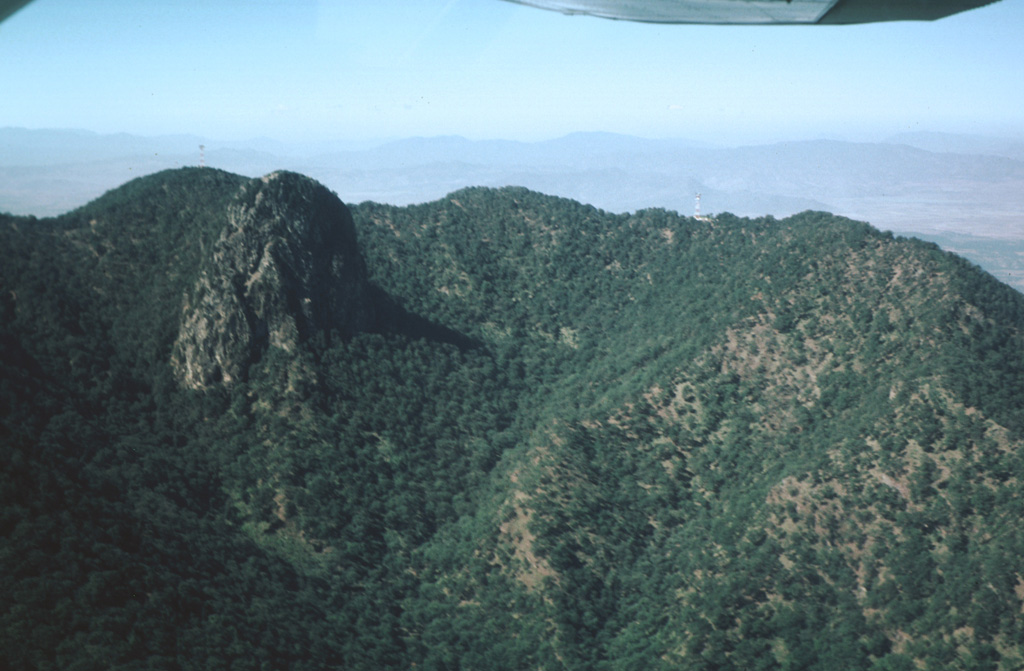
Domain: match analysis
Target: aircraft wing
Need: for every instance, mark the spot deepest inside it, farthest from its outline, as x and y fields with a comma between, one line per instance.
x=733, y=11
x=8, y=7
x=762, y=11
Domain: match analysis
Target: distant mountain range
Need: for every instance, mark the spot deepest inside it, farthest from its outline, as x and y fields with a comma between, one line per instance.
x=921, y=183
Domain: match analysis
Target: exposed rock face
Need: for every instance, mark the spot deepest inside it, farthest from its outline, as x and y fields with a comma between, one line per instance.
x=286, y=266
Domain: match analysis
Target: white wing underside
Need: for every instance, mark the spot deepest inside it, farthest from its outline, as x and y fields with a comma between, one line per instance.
x=762, y=11
x=694, y=11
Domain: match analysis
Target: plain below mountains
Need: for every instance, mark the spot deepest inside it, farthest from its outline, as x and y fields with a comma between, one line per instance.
x=244, y=426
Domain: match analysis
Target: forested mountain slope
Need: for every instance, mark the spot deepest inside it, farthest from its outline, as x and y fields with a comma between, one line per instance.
x=244, y=427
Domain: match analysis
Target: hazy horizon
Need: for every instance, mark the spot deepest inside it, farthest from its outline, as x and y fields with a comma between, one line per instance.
x=355, y=144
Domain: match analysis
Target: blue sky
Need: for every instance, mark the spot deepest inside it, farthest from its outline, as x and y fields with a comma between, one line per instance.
x=376, y=69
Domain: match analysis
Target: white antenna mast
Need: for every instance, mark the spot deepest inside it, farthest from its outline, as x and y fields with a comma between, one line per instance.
x=202, y=157
x=696, y=211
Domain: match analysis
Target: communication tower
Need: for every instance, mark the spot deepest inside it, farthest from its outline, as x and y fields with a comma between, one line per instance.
x=696, y=211
x=202, y=157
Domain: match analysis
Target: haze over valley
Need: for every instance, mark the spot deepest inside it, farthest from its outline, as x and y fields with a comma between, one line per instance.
x=964, y=192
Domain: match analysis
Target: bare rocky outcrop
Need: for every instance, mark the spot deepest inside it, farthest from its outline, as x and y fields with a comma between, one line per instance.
x=286, y=266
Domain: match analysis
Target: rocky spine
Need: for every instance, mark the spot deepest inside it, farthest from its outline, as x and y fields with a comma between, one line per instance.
x=286, y=267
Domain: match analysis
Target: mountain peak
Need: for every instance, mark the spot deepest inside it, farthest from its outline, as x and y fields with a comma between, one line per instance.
x=286, y=266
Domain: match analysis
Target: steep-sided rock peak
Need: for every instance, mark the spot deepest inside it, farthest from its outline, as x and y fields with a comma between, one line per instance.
x=286, y=266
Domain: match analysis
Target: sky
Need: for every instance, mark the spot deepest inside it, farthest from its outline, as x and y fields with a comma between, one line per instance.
x=364, y=70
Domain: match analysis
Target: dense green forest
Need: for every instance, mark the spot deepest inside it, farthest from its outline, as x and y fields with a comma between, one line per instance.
x=499, y=431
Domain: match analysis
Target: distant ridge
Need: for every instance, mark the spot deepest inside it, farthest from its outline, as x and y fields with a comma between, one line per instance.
x=962, y=144
x=932, y=184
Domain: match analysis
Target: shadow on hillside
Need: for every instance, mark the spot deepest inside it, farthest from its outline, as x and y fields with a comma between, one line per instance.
x=392, y=318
